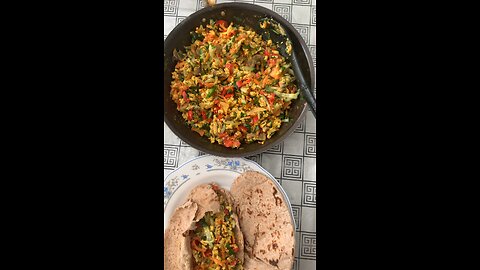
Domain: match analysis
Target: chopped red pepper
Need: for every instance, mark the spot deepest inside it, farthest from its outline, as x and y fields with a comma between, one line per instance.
x=271, y=98
x=207, y=253
x=235, y=249
x=221, y=23
x=239, y=83
x=232, y=33
x=190, y=115
x=226, y=211
x=228, y=95
x=184, y=94
x=204, y=115
x=196, y=247
x=227, y=142
x=271, y=62
x=226, y=90
x=255, y=119
x=242, y=128
x=229, y=67
x=236, y=143
x=233, y=263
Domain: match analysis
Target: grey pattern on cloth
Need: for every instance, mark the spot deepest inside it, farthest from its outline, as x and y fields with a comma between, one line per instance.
x=297, y=170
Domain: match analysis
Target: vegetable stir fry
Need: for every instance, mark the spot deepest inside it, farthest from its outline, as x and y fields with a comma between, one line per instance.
x=213, y=241
x=231, y=85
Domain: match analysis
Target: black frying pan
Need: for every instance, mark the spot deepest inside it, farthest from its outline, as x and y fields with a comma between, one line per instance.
x=241, y=14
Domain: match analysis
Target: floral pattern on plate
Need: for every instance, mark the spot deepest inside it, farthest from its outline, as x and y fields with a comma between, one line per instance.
x=202, y=165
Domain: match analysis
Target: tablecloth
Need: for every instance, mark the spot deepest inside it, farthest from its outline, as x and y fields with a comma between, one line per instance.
x=292, y=162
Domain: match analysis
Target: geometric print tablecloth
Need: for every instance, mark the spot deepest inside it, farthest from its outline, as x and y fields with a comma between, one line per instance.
x=292, y=162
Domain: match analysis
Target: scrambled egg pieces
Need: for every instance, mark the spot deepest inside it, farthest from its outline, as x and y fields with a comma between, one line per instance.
x=213, y=241
x=232, y=86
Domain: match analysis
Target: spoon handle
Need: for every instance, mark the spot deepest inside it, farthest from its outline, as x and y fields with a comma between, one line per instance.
x=312, y=103
x=304, y=89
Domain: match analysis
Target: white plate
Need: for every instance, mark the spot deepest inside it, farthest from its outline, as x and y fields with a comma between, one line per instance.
x=206, y=169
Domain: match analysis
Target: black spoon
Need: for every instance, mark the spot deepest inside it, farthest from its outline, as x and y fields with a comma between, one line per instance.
x=277, y=34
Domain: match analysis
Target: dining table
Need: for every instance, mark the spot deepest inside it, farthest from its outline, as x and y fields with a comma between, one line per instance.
x=293, y=161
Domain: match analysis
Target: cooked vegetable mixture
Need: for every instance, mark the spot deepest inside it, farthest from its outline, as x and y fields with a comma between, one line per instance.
x=213, y=241
x=231, y=85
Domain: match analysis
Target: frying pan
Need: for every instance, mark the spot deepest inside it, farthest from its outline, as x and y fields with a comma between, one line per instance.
x=240, y=14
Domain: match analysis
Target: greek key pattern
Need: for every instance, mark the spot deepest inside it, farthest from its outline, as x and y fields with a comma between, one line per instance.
x=170, y=157
x=302, y=2
x=301, y=127
x=278, y=160
x=284, y=10
x=292, y=167
x=256, y=158
x=277, y=149
x=314, y=15
x=295, y=264
x=304, y=31
x=311, y=145
x=201, y=4
x=170, y=7
x=297, y=214
x=309, y=194
x=179, y=20
x=313, y=52
x=309, y=245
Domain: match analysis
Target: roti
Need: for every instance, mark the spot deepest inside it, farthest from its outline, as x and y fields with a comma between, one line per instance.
x=265, y=222
x=203, y=201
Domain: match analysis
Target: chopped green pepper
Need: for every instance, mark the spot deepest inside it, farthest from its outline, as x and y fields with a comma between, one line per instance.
x=193, y=88
x=196, y=36
x=211, y=90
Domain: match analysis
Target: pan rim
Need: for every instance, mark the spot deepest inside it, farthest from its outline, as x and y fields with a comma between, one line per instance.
x=304, y=47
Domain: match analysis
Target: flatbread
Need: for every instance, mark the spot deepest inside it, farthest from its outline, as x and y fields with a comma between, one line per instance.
x=202, y=199
x=206, y=198
x=176, y=248
x=265, y=222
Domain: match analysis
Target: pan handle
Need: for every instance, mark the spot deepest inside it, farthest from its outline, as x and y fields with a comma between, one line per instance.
x=211, y=2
